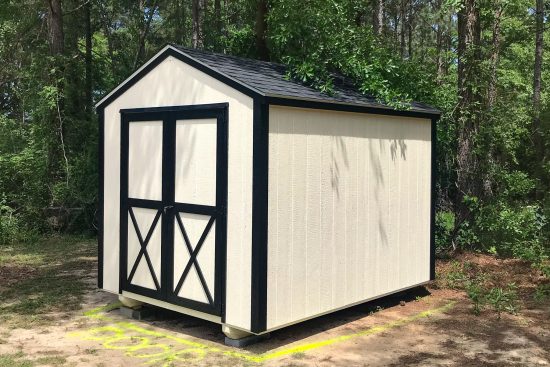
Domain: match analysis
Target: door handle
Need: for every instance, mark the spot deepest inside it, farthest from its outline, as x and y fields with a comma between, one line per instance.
x=167, y=207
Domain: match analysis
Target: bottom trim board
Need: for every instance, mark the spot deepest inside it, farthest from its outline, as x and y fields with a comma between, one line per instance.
x=170, y=306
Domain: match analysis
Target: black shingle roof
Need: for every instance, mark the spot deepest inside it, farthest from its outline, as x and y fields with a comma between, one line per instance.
x=270, y=79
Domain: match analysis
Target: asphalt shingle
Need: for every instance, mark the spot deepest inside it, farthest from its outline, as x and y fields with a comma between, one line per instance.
x=271, y=79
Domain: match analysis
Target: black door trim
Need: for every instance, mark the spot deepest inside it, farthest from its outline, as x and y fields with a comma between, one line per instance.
x=168, y=208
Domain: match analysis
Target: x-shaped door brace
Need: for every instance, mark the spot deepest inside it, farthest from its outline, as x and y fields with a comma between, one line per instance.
x=143, y=250
x=193, y=257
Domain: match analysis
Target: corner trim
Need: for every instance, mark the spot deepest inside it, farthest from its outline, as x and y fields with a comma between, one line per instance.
x=260, y=170
x=433, y=195
x=100, y=196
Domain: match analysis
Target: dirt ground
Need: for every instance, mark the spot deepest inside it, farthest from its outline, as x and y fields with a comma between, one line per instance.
x=426, y=326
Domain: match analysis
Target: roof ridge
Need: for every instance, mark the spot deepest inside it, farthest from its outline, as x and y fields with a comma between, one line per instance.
x=242, y=58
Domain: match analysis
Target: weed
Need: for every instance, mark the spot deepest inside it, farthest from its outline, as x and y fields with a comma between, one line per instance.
x=504, y=299
x=476, y=293
x=298, y=355
x=456, y=277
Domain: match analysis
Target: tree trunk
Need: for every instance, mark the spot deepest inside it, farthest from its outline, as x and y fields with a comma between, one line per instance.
x=179, y=28
x=56, y=37
x=197, y=37
x=378, y=17
x=402, y=28
x=469, y=34
x=261, y=30
x=410, y=27
x=537, y=74
x=88, y=58
x=495, y=56
x=144, y=31
x=218, y=15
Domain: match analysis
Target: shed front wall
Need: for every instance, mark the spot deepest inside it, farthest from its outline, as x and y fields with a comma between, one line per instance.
x=349, y=209
x=174, y=83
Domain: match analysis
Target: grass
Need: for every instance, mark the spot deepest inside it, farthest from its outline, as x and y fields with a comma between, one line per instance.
x=44, y=277
x=51, y=361
x=14, y=360
x=18, y=360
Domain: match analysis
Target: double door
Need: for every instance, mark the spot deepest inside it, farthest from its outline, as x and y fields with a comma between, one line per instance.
x=173, y=204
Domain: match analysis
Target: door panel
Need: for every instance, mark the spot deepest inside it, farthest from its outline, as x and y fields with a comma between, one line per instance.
x=195, y=171
x=194, y=257
x=144, y=265
x=173, y=204
x=145, y=160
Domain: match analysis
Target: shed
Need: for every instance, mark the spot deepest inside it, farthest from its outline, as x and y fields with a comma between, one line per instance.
x=233, y=194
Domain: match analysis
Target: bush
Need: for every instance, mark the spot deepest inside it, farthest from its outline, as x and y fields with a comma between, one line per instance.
x=444, y=225
x=512, y=230
x=12, y=228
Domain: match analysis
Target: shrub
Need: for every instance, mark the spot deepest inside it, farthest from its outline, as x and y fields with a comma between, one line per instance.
x=512, y=230
x=12, y=228
x=444, y=225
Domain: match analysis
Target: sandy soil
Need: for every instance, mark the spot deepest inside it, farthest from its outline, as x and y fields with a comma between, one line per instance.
x=431, y=326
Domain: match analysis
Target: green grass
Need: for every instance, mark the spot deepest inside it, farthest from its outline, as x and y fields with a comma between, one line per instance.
x=51, y=361
x=46, y=276
x=18, y=360
x=14, y=360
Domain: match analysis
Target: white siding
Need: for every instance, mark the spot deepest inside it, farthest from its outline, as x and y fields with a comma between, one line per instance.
x=349, y=209
x=173, y=83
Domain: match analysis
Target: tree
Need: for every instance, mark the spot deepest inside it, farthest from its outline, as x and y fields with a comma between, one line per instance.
x=55, y=27
x=197, y=23
x=260, y=30
x=467, y=110
x=378, y=17
x=537, y=75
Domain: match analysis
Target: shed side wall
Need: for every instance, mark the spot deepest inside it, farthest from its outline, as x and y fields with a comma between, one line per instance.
x=349, y=209
x=174, y=83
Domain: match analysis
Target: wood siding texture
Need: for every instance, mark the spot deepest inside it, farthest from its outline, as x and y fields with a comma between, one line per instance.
x=174, y=83
x=349, y=209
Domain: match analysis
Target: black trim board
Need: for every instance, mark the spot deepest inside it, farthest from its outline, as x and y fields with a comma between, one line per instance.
x=260, y=160
x=433, y=195
x=100, y=196
x=289, y=102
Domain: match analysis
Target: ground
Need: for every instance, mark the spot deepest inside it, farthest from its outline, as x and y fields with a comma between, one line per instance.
x=52, y=315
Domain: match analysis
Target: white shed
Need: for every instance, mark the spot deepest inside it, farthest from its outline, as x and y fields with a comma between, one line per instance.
x=231, y=193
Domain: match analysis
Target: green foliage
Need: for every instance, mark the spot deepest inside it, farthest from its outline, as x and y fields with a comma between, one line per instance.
x=513, y=230
x=504, y=299
x=542, y=293
x=329, y=41
x=475, y=292
x=500, y=299
x=444, y=226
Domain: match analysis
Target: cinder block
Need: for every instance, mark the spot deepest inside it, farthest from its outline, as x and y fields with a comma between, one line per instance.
x=137, y=313
x=248, y=340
